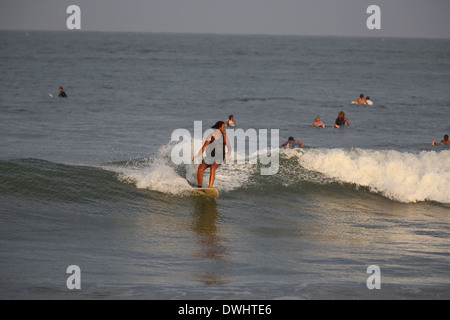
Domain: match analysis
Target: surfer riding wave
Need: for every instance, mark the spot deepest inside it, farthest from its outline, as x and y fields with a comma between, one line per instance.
x=215, y=153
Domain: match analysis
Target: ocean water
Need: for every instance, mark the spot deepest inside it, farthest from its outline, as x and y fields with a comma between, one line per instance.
x=89, y=180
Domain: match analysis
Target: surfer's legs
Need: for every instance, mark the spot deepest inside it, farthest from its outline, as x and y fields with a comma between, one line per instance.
x=212, y=176
x=202, y=167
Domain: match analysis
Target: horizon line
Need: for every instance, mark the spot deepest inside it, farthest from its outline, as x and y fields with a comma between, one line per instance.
x=234, y=34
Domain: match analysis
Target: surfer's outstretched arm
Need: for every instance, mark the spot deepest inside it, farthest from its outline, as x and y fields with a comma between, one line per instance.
x=299, y=143
x=205, y=145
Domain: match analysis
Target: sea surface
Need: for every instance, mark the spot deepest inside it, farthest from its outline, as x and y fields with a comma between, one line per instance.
x=89, y=180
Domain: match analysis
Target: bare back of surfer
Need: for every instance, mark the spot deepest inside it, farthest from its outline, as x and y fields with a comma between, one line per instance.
x=215, y=153
x=361, y=100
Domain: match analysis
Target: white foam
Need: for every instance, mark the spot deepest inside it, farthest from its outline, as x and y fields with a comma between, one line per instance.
x=160, y=174
x=400, y=176
x=156, y=176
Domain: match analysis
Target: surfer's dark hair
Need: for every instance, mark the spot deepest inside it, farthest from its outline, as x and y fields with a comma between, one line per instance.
x=218, y=125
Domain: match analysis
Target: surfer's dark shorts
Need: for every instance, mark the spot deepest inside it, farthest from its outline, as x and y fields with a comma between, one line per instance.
x=209, y=165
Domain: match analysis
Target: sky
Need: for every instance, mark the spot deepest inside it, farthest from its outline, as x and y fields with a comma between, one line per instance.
x=398, y=18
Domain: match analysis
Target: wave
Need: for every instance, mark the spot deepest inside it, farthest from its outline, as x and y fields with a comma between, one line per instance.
x=250, y=99
x=154, y=173
x=159, y=173
x=47, y=181
x=400, y=176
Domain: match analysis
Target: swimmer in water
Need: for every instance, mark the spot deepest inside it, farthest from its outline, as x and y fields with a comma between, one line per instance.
x=231, y=122
x=445, y=141
x=361, y=100
x=62, y=94
x=292, y=143
x=318, y=123
x=341, y=120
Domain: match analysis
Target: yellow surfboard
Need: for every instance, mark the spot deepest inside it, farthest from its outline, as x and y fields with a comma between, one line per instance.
x=208, y=192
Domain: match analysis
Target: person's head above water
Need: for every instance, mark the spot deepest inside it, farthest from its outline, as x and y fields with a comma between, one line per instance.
x=60, y=89
x=446, y=137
